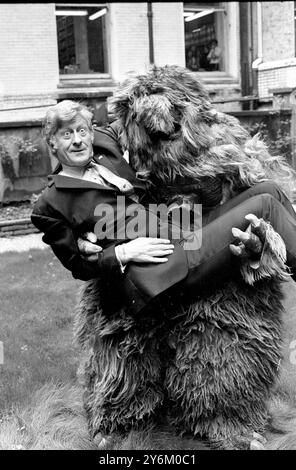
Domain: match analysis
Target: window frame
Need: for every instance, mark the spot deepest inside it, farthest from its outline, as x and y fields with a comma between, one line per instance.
x=93, y=75
x=230, y=33
x=215, y=8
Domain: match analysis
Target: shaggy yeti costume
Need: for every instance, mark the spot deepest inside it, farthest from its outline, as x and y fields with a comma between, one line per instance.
x=207, y=364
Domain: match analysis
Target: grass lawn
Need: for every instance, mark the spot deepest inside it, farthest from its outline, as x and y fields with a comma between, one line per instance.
x=37, y=299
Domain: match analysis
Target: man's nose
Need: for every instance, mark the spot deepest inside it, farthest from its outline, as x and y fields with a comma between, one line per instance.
x=76, y=138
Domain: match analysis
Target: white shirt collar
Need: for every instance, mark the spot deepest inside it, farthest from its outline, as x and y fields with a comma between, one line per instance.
x=73, y=171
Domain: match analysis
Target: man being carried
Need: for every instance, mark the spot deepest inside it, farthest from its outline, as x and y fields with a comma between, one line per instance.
x=141, y=268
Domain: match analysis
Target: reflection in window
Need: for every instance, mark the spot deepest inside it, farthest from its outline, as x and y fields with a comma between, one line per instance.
x=203, y=23
x=81, y=39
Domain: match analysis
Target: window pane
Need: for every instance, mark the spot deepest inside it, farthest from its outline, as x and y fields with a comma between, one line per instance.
x=203, y=23
x=81, y=39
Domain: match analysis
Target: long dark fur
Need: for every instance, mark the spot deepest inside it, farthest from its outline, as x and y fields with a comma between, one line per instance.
x=208, y=366
x=171, y=130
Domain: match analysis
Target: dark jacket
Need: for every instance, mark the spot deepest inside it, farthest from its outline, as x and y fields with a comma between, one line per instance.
x=66, y=209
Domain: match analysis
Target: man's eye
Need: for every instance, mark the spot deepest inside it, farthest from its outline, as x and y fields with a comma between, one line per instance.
x=67, y=135
x=82, y=131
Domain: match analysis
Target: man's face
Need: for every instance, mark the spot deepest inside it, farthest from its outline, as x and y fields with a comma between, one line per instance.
x=73, y=143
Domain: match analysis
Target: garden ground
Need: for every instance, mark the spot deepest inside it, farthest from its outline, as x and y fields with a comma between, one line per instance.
x=40, y=399
x=37, y=308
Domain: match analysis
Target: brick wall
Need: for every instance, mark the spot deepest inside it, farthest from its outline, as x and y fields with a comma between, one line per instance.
x=278, y=69
x=128, y=36
x=28, y=49
x=276, y=74
x=278, y=29
x=168, y=32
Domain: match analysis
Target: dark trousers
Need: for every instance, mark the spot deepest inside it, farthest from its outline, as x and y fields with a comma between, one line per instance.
x=214, y=261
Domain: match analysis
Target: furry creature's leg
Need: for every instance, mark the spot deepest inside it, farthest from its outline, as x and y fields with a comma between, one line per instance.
x=227, y=355
x=122, y=371
x=214, y=261
x=266, y=187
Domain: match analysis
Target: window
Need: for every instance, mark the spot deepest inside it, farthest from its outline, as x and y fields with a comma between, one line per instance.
x=81, y=38
x=204, y=36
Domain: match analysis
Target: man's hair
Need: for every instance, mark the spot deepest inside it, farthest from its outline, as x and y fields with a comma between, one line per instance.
x=65, y=111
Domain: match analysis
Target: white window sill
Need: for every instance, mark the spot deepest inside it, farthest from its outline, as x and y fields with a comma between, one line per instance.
x=83, y=76
x=277, y=64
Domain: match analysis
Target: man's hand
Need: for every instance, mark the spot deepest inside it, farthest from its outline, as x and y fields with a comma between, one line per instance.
x=140, y=250
x=145, y=250
x=89, y=251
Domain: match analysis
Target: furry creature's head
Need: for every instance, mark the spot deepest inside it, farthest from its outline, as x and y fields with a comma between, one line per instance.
x=170, y=129
x=158, y=112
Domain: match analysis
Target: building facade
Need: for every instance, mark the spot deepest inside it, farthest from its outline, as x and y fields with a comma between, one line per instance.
x=55, y=51
x=278, y=65
x=48, y=47
x=50, y=51
x=268, y=50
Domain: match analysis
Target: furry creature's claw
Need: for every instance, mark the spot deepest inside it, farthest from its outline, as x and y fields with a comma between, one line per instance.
x=259, y=437
x=239, y=250
x=102, y=441
x=273, y=256
x=253, y=219
x=256, y=445
x=257, y=227
x=251, y=242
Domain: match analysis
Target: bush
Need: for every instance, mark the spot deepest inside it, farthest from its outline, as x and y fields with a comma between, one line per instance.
x=274, y=129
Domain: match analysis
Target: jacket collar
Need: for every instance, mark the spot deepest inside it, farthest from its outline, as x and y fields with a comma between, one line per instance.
x=121, y=168
x=67, y=182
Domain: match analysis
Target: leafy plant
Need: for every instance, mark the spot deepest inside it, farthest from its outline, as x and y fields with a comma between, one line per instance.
x=28, y=157
x=25, y=152
x=7, y=163
x=275, y=131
